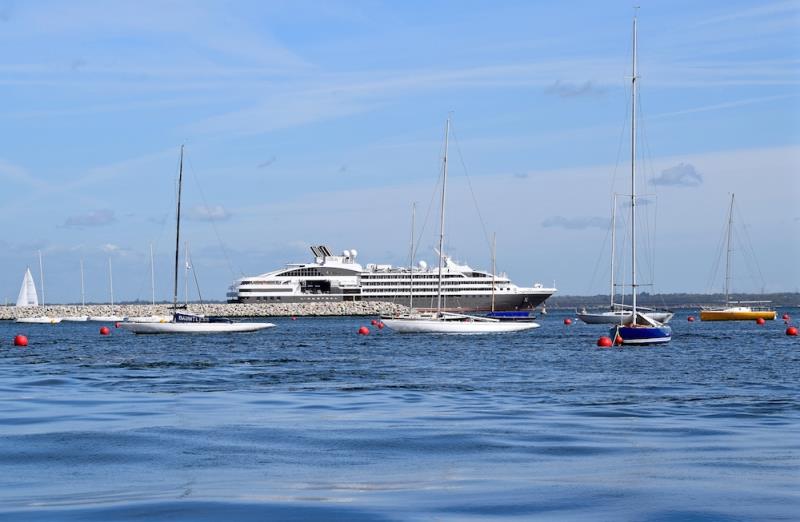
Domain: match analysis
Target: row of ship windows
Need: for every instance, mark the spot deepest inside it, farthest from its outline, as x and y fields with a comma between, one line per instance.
x=433, y=283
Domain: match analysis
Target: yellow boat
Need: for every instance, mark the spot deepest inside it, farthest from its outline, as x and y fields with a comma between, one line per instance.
x=737, y=313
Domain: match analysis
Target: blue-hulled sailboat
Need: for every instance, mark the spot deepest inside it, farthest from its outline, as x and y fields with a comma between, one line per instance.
x=642, y=329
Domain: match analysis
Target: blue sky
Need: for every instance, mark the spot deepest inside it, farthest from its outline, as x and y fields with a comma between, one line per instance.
x=320, y=122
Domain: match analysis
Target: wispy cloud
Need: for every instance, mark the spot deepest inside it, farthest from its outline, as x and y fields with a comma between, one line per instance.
x=211, y=213
x=96, y=218
x=681, y=175
x=576, y=223
x=573, y=90
x=265, y=164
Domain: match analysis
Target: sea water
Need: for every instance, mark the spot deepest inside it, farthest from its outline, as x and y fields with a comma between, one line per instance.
x=310, y=421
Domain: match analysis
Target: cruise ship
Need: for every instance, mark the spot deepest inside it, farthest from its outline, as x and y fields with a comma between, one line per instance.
x=333, y=278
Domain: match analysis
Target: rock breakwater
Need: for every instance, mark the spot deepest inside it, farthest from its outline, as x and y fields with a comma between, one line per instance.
x=218, y=309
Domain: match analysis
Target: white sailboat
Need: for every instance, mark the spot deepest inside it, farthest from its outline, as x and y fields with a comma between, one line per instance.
x=112, y=317
x=184, y=322
x=442, y=322
x=618, y=313
x=28, y=297
x=642, y=329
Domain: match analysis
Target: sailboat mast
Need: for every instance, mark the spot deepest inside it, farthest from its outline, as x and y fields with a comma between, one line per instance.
x=494, y=257
x=41, y=275
x=177, y=233
x=728, y=255
x=441, y=219
x=633, y=174
x=411, y=258
x=111, y=283
x=613, y=245
x=83, y=293
x=152, y=276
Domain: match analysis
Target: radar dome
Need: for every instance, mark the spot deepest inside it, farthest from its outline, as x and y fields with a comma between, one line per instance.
x=346, y=253
x=353, y=252
x=423, y=265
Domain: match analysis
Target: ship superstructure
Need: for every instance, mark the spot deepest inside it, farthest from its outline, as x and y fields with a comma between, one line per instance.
x=334, y=278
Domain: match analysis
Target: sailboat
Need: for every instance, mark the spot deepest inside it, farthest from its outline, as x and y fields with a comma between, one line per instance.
x=184, y=322
x=618, y=313
x=735, y=310
x=642, y=329
x=444, y=322
x=27, y=297
x=112, y=317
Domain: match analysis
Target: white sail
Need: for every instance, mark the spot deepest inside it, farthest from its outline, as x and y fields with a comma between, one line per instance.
x=27, y=293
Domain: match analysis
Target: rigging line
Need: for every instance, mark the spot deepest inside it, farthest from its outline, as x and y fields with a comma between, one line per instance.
x=750, y=252
x=711, y=280
x=195, y=177
x=469, y=184
x=430, y=204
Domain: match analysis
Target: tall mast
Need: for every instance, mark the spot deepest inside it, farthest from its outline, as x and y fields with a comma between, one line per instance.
x=41, y=276
x=728, y=256
x=111, y=284
x=152, y=276
x=441, y=219
x=633, y=174
x=411, y=258
x=177, y=234
x=613, y=245
x=494, y=259
x=83, y=293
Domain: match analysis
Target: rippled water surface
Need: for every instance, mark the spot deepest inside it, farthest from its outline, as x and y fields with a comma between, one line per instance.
x=309, y=421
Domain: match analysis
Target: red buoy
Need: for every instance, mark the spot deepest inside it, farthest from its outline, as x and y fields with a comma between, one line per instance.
x=104, y=330
x=690, y=318
x=380, y=325
x=760, y=320
x=785, y=317
x=294, y=318
x=20, y=340
x=605, y=342
x=567, y=321
x=618, y=340
x=363, y=331
x=116, y=325
x=792, y=330
x=374, y=322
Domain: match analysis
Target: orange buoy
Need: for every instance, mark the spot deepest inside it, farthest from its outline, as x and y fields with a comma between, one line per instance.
x=363, y=331
x=792, y=330
x=605, y=342
x=104, y=330
x=20, y=340
x=618, y=340
x=690, y=318
x=567, y=321
x=760, y=320
x=380, y=325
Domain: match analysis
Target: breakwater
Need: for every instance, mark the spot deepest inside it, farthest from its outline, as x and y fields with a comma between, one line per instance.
x=218, y=309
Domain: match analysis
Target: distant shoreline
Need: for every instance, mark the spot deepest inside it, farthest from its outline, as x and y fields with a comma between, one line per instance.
x=676, y=300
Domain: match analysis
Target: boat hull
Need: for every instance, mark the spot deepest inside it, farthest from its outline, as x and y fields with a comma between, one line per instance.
x=106, y=318
x=736, y=315
x=457, y=327
x=642, y=335
x=39, y=320
x=193, y=328
x=621, y=317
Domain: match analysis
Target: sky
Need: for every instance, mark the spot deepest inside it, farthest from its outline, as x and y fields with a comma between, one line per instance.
x=311, y=122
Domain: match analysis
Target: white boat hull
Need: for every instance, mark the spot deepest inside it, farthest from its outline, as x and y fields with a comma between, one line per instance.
x=39, y=320
x=625, y=317
x=193, y=328
x=456, y=327
x=76, y=318
x=106, y=318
